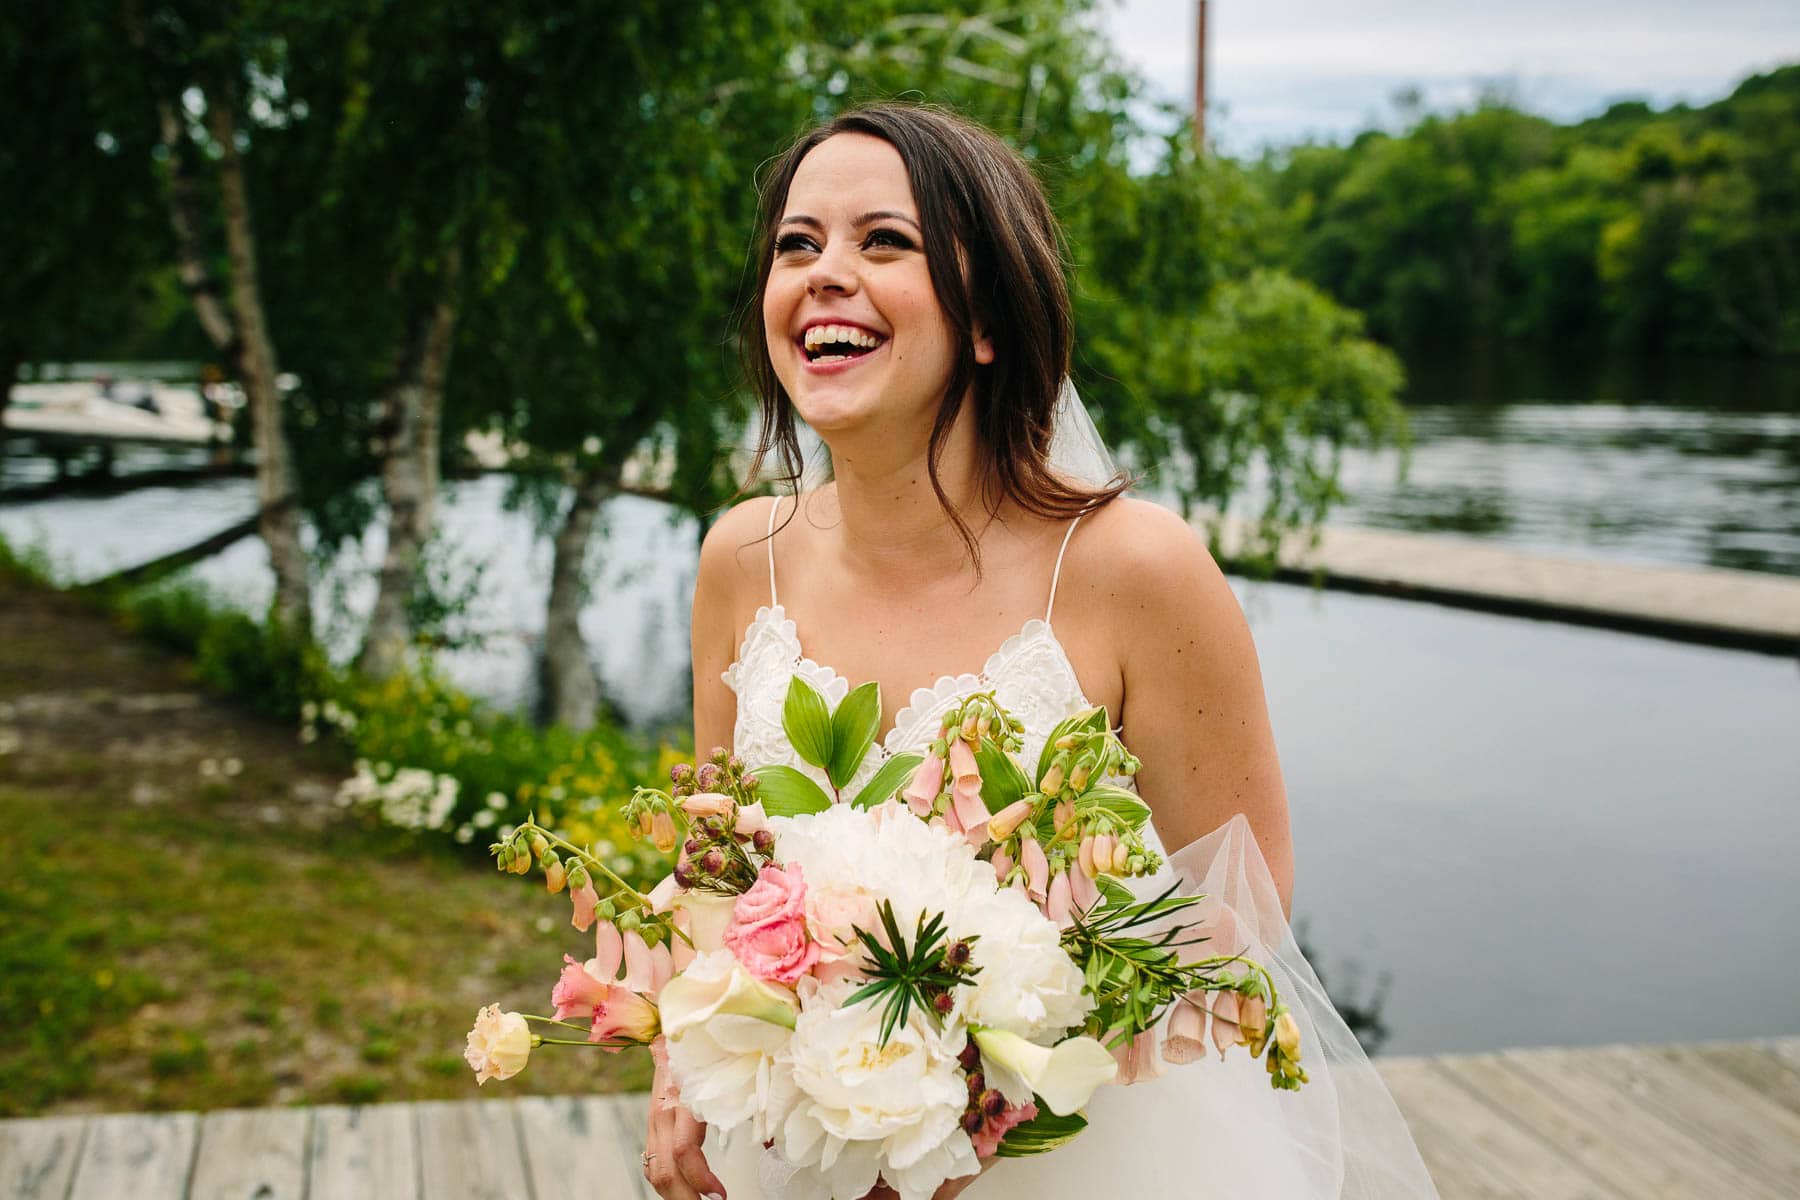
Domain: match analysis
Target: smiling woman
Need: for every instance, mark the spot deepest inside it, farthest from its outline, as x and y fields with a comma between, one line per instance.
x=911, y=308
x=907, y=260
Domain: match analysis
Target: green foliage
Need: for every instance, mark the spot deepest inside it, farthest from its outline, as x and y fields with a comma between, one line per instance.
x=890, y=778
x=235, y=655
x=1040, y=1135
x=835, y=742
x=785, y=792
x=902, y=977
x=1652, y=231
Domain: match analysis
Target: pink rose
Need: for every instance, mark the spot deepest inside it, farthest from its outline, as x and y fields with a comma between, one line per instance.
x=768, y=927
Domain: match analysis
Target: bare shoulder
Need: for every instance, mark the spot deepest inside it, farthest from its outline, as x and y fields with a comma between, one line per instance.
x=1146, y=548
x=734, y=560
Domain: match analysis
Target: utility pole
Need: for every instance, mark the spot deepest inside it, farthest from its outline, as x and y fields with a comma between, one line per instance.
x=1200, y=80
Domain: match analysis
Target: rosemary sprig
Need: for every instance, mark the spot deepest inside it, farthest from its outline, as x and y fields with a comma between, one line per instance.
x=903, y=977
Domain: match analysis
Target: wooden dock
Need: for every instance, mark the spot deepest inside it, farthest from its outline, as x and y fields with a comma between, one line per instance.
x=1704, y=1120
x=1709, y=605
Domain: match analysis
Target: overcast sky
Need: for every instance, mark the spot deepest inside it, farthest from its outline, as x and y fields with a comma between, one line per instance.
x=1280, y=69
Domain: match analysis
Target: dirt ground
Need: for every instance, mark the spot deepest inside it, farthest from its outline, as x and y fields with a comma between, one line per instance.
x=187, y=920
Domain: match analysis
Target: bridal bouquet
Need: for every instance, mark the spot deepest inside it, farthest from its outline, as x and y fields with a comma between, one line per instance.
x=896, y=986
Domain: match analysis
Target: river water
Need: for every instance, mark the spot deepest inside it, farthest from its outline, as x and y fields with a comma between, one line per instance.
x=1515, y=832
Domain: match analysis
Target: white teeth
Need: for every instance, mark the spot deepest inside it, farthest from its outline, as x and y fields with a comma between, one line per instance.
x=820, y=335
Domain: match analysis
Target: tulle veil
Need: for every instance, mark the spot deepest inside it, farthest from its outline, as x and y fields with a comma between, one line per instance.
x=1213, y=1127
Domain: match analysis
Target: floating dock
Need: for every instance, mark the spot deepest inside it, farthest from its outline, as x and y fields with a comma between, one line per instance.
x=1710, y=605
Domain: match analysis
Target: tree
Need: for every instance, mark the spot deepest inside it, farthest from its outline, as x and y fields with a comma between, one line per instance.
x=199, y=77
x=78, y=231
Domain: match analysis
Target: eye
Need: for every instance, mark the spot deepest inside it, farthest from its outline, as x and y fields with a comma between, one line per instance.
x=791, y=243
x=893, y=239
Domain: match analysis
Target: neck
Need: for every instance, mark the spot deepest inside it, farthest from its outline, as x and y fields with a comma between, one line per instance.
x=890, y=524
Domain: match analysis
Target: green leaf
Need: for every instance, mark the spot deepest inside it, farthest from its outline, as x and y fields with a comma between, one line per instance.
x=785, y=792
x=1114, y=894
x=891, y=778
x=807, y=722
x=1040, y=1135
x=853, y=731
x=1092, y=720
x=1120, y=803
x=1002, y=781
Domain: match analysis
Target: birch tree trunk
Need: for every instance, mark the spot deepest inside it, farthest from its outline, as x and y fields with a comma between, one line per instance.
x=571, y=693
x=408, y=446
x=277, y=495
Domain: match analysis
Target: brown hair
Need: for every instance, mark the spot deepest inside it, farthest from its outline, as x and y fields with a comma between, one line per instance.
x=996, y=259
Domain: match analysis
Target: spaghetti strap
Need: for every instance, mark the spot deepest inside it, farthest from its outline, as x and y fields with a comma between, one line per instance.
x=773, y=508
x=1048, y=608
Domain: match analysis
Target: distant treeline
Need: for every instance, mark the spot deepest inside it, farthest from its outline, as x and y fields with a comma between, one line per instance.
x=1648, y=232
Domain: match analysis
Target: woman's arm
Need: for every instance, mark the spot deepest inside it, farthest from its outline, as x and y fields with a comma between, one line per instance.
x=733, y=560
x=674, y=1161
x=1193, y=708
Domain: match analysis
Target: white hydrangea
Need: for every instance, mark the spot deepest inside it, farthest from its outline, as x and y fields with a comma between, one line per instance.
x=409, y=797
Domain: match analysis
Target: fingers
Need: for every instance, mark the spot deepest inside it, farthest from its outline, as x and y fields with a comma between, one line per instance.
x=674, y=1163
x=690, y=1158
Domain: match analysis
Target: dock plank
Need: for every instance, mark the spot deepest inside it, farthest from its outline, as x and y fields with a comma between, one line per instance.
x=1759, y=1135
x=1474, y=1150
x=140, y=1154
x=37, y=1157
x=251, y=1154
x=577, y=1148
x=1771, y=1069
x=470, y=1150
x=365, y=1150
x=1560, y=1088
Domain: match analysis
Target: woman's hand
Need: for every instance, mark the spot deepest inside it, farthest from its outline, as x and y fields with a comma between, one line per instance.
x=673, y=1162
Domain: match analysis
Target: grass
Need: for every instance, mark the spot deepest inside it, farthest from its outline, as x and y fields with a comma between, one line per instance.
x=173, y=937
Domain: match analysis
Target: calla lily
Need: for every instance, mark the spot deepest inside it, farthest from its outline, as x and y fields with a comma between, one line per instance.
x=681, y=952
x=708, y=917
x=716, y=984
x=1063, y=1076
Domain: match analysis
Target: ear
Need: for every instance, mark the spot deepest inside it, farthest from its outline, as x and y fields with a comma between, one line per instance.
x=983, y=346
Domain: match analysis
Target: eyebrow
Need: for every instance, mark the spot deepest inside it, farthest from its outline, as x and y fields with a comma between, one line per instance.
x=880, y=214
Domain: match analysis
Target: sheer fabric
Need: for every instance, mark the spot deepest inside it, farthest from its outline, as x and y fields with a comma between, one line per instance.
x=1196, y=1128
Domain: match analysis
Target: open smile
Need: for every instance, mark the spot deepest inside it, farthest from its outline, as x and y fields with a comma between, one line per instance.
x=837, y=344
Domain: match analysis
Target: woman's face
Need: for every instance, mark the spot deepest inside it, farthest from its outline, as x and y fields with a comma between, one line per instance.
x=851, y=319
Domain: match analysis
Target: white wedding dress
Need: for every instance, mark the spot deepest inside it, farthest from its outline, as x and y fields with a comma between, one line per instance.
x=1204, y=1128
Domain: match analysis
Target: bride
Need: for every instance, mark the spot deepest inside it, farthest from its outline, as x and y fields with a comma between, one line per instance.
x=913, y=312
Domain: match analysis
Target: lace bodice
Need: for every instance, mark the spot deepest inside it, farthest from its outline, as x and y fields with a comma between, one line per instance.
x=1030, y=675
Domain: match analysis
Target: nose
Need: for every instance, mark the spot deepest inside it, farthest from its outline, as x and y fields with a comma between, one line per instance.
x=833, y=271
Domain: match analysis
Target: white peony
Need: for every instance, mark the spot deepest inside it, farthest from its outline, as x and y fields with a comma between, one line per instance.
x=1028, y=984
x=724, y=1029
x=859, y=1110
